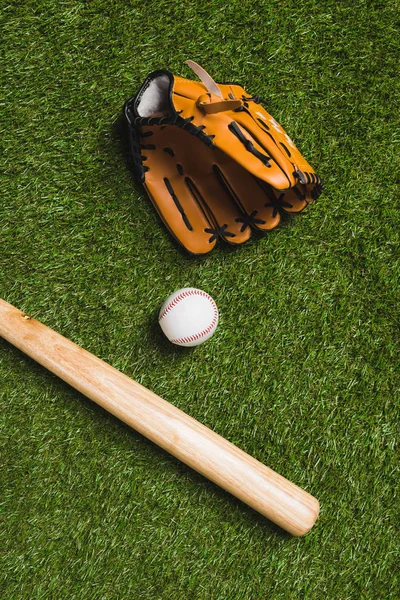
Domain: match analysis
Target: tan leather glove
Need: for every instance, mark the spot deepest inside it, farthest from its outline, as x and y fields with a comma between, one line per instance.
x=213, y=161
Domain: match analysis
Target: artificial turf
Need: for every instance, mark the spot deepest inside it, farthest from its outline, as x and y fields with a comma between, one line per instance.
x=303, y=372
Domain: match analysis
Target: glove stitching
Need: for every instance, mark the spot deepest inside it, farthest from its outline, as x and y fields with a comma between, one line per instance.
x=249, y=220
x=177, y=203
x=235, y=129
x=275, y=199
x=219, y=232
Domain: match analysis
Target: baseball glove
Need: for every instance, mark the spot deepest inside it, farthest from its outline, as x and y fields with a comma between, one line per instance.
x=213, y=161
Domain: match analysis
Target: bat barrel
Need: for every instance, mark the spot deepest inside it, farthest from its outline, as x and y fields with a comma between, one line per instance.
x=257, y=485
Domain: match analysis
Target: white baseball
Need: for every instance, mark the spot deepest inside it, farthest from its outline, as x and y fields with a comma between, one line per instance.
x=188, y=317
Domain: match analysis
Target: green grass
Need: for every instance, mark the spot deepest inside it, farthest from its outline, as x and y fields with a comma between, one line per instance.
x=303, y=372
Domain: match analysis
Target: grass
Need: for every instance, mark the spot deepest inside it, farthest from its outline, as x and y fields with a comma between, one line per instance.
x=303, y=372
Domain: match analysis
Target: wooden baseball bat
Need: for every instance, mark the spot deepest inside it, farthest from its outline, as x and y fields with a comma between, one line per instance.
x=185, y=438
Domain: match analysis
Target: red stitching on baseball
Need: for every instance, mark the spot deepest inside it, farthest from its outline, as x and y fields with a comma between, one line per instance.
x=183, y=295
x=196, y=336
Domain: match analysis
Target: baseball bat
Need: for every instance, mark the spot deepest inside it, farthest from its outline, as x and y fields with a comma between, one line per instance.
x=257, y=485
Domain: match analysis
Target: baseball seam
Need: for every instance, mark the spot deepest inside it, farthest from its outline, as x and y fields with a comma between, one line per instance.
x=175, y=302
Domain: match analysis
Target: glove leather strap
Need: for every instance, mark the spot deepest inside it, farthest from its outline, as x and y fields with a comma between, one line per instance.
x=213, y=102
x=205, y=78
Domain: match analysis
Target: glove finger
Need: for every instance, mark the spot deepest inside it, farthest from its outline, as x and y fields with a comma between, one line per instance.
x=262, y=203
x=222, y=131
x=290, y=201
x=248, y=134
x=296, y=199
x=186, y=217
x=254, y=197
x=180, y=212
x=270, y=135
x=227, y=214
x=182, y=184
x=255, y=111
x=275, y=142
x=281, y=170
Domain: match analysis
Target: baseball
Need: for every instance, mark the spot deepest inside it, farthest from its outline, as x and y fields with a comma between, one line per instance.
x=188, y=317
